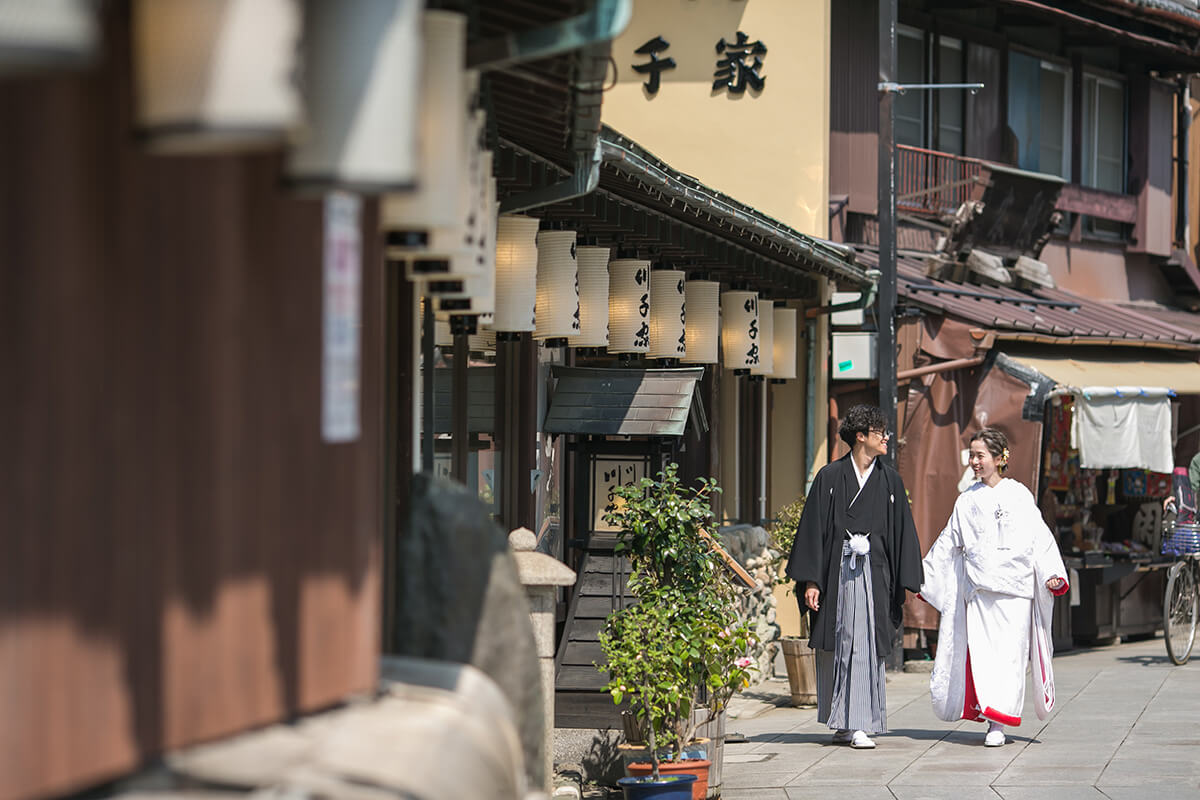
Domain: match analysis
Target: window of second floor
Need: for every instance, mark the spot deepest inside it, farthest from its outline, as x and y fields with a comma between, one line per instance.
x=1039, y=115
x=929, y=119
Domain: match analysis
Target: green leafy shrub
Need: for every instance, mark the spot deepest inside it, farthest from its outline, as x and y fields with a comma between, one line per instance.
x=682, y=640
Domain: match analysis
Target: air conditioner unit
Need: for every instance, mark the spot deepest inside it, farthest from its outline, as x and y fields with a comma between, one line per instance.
x=854, y=356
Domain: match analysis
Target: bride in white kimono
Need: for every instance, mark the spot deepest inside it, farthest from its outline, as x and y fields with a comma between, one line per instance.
x=992, y=574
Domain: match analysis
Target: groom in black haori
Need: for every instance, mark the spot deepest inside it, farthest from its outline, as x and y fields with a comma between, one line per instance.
x=855, y=553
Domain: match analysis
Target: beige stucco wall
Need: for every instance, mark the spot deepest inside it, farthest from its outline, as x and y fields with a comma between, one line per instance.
x=768, y=149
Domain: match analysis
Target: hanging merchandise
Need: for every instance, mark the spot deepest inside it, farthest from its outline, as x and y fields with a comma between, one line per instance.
x=363, y=140
x=593, y=296
x=784, y=357
x=218, y=76
x=629, y=305
x=766, y=340
x=703, y=311
x=47, y=34
x=516, y=273
x=408, y=219
x=557, y=307
x=667, y=309
x=739, y=331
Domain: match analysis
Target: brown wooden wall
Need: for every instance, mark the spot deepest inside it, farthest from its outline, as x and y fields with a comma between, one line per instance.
x=182, y=555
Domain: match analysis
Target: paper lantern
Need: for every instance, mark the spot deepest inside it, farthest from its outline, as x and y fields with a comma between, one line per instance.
x=628, y=306
x=785, y=344
x=217, y=75
x=362, y=67
x=593, y=297
x=408, y=219
x=557, y=309
x=739, y=330
x=484, y=339
x=441, y=323
x=473, y=290
x=667, y=311
x=450, y=252
x=703, y=311
x=516, y=273
x=42, y=34
x=766, y=340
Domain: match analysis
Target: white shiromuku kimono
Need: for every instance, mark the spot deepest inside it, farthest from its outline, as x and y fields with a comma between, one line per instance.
x=986, y=575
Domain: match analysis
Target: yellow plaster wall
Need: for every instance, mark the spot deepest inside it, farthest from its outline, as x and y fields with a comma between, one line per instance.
x=768, y=149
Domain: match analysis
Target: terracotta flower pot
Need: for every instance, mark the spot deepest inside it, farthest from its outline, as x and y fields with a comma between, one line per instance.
x=689, y=766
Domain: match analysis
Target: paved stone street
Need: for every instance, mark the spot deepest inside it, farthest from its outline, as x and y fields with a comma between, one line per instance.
x=1126, y=727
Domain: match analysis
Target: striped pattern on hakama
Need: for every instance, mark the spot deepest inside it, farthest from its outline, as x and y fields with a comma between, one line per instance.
x=850, y=678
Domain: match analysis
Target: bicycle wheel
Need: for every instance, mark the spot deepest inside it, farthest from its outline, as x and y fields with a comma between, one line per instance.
x=1180, y=609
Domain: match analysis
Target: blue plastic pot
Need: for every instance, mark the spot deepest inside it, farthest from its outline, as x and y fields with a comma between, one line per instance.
x=667, y=787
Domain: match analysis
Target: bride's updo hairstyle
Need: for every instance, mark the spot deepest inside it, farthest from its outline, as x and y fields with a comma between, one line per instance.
x=996, y=443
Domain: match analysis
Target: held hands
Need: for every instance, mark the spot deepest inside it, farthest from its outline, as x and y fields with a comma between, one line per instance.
x=812, y=596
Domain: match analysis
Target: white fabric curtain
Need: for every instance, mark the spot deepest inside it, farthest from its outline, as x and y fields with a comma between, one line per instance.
x=1123, y=427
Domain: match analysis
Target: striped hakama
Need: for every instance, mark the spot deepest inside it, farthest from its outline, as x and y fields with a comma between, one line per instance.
x=850, y=678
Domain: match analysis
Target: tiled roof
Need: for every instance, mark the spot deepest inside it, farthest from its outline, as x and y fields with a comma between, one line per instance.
x=1037, y=314
x=1169, y=7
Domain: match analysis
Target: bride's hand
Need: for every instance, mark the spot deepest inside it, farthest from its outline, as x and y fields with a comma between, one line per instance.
x=1054, y=584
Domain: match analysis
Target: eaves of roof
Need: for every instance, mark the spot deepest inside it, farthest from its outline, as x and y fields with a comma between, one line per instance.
x=1041, y=315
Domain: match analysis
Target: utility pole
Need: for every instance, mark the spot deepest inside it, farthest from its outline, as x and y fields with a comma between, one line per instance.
x=886, y=337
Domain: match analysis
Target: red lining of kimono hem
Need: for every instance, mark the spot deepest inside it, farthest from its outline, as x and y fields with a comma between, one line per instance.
x=973, y=711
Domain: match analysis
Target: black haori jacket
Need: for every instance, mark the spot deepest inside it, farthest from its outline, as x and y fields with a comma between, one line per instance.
x=882, y=509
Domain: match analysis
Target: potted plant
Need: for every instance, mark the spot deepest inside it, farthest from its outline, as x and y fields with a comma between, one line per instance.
x=682, y=639
x=799, y=658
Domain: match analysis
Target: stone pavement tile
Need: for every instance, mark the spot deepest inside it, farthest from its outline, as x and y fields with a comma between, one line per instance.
x=839, y=792
x=1152, y=764
x=753, y=794
x=1178, y=791
x=1047, y=791
x=944, y=793
x=757, y=779
x=862, y=767
x=1063, y=773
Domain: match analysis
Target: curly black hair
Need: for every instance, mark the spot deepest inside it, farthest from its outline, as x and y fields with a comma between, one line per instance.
x=860, y=419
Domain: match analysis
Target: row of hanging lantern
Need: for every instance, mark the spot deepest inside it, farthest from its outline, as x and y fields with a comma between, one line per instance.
x=567, y=293
x=216, y=75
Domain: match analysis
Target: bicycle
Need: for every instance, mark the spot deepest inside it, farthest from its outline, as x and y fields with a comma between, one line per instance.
x=1181, y=600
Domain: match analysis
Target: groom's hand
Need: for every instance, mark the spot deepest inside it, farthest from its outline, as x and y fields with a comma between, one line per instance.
x=812, y=597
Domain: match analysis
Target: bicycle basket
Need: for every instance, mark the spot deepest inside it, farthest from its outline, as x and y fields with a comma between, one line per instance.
x=1182, y=539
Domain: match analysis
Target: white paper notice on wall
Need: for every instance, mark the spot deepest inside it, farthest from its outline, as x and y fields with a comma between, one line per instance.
x=342, y=318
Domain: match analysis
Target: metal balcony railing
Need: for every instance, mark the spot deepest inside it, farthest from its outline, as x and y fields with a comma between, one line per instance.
x=929, y=182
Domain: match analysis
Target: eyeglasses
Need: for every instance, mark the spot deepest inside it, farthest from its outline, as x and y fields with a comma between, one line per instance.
x=883, y=434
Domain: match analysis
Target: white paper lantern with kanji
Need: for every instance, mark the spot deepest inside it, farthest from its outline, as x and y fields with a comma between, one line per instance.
x=785, y=344
x=766, y=339
x=593, y=296
x=409, y=218
x=628, y=305
x=362, y=70
x=516, y=273
x=215, y=76
x=702, y=303
x=667, y=312
x=739, y=330
x=557, y=308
